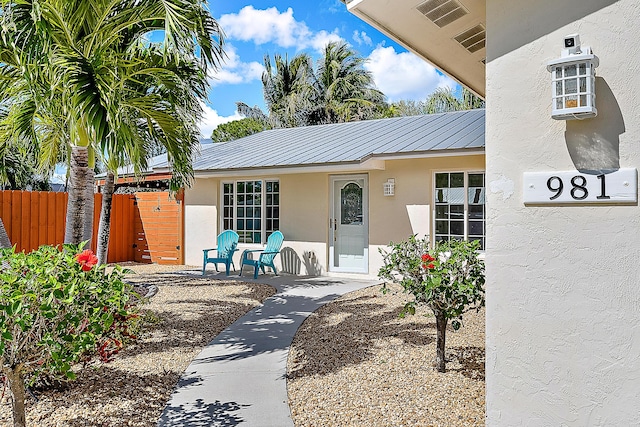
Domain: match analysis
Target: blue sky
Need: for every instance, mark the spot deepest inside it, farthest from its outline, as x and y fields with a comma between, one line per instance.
x=259, y=27
x=256, y=28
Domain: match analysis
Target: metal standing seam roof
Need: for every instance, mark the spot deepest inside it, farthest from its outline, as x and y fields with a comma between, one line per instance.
x=345, y=143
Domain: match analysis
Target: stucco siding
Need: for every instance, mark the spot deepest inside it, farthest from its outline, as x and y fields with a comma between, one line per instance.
x=563, y=346
x=200, y=219
x=304, y=221
x=409, y=211
x=304, y=207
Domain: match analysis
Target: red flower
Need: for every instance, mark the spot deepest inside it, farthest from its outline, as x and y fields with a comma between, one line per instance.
x=431, y=266
x=427, y=258
x=86, y=259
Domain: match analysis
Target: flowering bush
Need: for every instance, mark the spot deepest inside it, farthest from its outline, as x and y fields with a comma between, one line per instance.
x=448, y=278
x=86, y=259
x=58, y=308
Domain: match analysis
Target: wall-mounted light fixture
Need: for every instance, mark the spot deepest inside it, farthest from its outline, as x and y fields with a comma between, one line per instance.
x=389, y=187
x=573, y=81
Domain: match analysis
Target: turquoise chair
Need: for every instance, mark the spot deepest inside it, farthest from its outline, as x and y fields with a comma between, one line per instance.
x=227, y=246
x=265, y=256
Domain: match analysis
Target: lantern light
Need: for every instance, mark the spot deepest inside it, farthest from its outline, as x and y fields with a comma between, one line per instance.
x=573, y=81
x=389, y=187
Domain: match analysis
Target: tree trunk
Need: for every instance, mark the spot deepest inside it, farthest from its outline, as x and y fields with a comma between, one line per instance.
x=4, y=238
x=441, y=327
x=105, y=218
x=76, y=205
x=87, y=234
x=16, y=386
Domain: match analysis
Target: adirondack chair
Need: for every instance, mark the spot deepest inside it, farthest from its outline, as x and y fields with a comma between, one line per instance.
x=227, y=246
x=265, y=257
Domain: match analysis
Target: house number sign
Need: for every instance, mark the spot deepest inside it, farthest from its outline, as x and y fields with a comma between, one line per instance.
x=574, y=187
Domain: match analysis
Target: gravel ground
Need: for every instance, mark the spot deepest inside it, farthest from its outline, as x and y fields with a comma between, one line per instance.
x=187, y=312
x=354, y=362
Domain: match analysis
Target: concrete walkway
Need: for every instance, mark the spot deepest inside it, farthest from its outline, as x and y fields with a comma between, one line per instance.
x=240, y=377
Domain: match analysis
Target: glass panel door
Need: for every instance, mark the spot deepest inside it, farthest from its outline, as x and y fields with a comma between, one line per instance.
x=349, y=244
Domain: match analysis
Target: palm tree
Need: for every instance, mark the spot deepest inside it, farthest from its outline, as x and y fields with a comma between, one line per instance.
x=73, y=53
x=82, y=75
x=151, y=110
x=287, y=87
x=344, y=89
x=444, y=100
x=339, y=90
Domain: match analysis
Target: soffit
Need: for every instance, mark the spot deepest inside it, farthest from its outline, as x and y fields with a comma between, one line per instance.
x=446, y=33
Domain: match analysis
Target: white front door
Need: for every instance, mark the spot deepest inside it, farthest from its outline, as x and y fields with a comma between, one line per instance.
x=349, y=237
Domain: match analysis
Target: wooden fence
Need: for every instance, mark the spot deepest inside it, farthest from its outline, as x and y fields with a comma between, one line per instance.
x=34, y=218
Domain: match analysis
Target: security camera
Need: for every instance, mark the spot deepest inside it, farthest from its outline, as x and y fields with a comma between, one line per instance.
x=572, y=43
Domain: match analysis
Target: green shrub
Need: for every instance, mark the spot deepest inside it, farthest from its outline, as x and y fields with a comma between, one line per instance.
x=57, y=308
x=448, y=278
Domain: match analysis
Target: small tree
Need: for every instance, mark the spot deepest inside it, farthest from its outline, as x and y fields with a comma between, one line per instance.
x=56, y=309
x=448, y=278
x=237, y=129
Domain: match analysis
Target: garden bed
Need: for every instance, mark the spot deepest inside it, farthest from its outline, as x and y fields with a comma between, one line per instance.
x=354, y=362
x=187, y=313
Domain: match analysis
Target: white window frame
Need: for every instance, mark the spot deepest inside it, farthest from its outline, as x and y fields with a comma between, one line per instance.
x=263, y=207
x=466, y=173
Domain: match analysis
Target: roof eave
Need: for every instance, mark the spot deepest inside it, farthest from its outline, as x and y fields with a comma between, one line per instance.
x=437, y=46
x=371, y=162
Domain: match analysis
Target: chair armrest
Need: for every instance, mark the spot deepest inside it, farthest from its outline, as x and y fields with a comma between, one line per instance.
x=211, y=249
x=263, y=253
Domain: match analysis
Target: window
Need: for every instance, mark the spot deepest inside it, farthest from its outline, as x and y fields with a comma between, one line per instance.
x=460, y=206
x=251, y=208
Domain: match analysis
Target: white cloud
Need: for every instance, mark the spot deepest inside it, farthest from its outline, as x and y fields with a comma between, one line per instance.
x=211, y=120
x=404, y=75
x=272, y=26
x=361, y=37
x=322, y=38
x=234, y=71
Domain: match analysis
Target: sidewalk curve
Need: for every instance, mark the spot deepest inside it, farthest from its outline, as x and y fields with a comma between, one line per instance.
x=239, y=378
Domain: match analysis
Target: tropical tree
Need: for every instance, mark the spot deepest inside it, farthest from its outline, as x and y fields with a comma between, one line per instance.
x=344, y=89
x=72, y=62
x=442, y=100
x=287, y=87
x=153, y=109
x=338, y=90
x=18, y=169
x=237, y=129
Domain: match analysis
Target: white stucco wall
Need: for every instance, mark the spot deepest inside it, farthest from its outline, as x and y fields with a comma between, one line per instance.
x=563, y=294
x=200, y=219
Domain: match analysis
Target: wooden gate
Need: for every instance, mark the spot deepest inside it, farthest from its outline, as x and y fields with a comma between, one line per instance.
x=158, y=228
